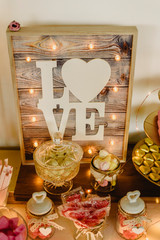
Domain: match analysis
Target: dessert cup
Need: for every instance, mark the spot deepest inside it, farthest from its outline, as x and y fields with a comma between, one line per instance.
x=104, y=180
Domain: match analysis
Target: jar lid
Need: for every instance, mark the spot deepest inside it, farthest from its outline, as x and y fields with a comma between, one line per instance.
x=132, y=203
x=39, y=204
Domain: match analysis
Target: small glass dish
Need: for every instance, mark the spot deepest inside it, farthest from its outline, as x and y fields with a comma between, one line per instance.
x=104, y=180
x=17, y=225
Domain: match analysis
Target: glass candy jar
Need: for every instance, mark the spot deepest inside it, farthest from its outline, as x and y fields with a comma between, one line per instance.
x=57, y=163
x=40, y=216
x=131, y=217
x=104, y=170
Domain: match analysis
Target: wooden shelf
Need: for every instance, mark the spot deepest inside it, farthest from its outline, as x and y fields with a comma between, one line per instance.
x=28, y=182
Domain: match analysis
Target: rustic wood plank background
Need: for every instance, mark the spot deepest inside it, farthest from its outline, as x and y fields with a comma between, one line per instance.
x=39, y=47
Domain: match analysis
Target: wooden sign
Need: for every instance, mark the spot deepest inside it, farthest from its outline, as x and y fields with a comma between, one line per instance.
x=76, y=80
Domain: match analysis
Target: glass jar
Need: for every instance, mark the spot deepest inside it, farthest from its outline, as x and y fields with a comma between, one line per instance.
x=131, y=216
x=40, y=214
x=103, y=180
x=57, y=163
x=87, y=213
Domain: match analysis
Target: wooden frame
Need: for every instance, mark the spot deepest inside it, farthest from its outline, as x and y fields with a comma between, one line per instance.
x=73, y=41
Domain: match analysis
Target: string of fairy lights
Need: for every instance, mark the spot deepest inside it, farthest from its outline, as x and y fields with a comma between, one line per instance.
x=140, y=106
x=115, y=89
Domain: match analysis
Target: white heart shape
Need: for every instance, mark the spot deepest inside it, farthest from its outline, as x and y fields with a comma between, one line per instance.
x=39, y=196
x=86, y=80
x=45, y=231
x=138, y=230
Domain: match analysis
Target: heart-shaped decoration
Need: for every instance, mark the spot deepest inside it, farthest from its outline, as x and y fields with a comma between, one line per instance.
x=86, y=80
x=138, y=230
x=39, y=196
x=45, y=231
x=133, y=196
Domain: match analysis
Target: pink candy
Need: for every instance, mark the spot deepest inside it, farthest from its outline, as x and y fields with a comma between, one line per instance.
x=104, y=166
x=4, y=223
x=9, y=229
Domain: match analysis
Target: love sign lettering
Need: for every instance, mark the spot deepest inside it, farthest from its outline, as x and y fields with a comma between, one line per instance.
x=78, y=77
x=75, y=80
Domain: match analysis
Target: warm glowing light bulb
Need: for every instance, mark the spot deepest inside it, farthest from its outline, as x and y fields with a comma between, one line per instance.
x=114, y=117
x=91, y=46
x=34, y=119
x=115, y=89
x=90, y=151
x=157, y=200
x=28, y=59
x=35, y=144
x=137, y=128
x=38, y=181
x=31, y=91
x=54, y=47
x=111, y=142
x=88, y=173
x=88, y=191
x=117, y=57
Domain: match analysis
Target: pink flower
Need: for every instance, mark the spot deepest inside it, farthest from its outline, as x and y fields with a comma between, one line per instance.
x=14, y=26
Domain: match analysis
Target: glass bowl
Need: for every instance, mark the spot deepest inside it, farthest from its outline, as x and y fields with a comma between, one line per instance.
x=103, y=180
x=57, y=163
x=11, y=213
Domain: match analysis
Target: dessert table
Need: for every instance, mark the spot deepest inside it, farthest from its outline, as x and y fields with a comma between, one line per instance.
x=26, y=182
x=109, y=231
x=129, y=180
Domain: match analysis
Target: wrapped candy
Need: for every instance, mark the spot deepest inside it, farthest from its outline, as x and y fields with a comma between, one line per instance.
x=88, y=214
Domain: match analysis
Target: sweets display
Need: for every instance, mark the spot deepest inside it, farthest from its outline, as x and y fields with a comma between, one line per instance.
x=57, y=163
x=131, y=216
x=104, y=169
x=87, y=213
x=40, y=217
x=146, y=158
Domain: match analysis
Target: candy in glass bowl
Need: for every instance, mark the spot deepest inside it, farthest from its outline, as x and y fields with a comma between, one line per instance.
x=57, y=162
x=104, y=170
x=12, y=225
